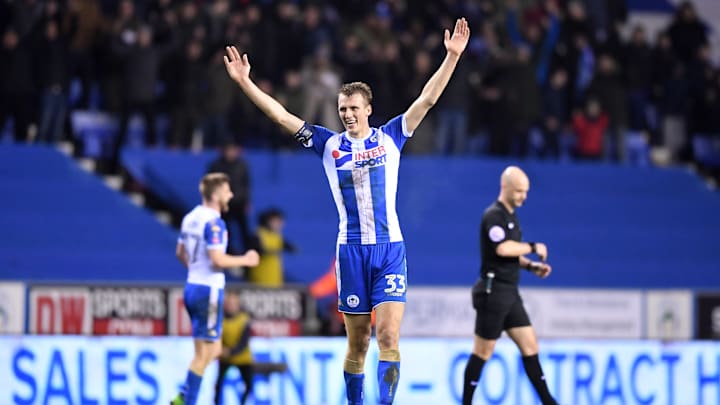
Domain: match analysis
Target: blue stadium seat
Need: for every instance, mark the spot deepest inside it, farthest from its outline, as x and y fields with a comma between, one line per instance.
x=98, y=130
x=606, y=225
x=707, y=150
x=62, y=224
x=638, y=149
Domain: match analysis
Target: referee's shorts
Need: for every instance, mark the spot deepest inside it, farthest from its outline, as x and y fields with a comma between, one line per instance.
x=499, y=310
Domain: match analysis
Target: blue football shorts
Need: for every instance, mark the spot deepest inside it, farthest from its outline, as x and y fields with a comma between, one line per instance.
x=205, y=306
x=369, y=275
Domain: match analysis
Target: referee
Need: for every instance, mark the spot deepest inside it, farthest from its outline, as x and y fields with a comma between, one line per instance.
x=495, y=296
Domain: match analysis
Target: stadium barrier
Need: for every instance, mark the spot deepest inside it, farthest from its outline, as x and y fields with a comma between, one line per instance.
x=152, y=311
x=148, y=370
x=561, y=313
x=430, y=312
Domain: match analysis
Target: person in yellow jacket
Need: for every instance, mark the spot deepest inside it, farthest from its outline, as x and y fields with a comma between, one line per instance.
x=235, y=346
x=271, y=244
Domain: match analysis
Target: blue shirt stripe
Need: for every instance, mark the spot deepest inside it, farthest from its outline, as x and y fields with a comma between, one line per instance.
x=377, y=189
x=347, y=187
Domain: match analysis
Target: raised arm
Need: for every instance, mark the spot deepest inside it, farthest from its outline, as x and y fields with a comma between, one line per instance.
x=430, y=94
x=239, y=70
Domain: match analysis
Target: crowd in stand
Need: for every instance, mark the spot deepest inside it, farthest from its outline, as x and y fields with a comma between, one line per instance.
x=549, y=78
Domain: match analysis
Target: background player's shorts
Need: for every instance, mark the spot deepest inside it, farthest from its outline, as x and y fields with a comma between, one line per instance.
x=205, y=306
x=500, y=310
x=369, y=275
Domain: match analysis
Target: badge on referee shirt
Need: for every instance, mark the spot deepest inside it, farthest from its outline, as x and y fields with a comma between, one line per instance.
x=496, y=233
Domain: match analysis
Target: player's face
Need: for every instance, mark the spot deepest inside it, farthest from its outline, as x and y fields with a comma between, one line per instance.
x=223, y=196
x=354, y=112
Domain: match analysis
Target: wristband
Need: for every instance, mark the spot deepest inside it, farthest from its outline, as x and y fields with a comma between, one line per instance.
x=304, y=135
x=532, y=247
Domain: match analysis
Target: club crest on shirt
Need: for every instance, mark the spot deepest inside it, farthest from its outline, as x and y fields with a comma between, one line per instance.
x=341, y=157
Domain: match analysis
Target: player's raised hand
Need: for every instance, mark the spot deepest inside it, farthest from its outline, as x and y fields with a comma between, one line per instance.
x=456, y=43
x=238, y=67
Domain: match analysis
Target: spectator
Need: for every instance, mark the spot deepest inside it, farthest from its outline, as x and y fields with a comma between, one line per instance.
x=522, y=100
x=352, y=56
x=673, y=107
x=686, y=32
x=422, y=69
x=55, y=79
x=271, y=243
x=608, y=88
x=293, y=97
x=555, y=114
x=704, y=95
x=189, y=95
x=590, y=127
x=142, y=59
x=452, y=116
x=288, y=31
x=638, y=73
x=84, y=25
x=232, y=163
x=17, y=85
x=495, y=107
x=218, y=101
x=321, y=83
x=583, y=66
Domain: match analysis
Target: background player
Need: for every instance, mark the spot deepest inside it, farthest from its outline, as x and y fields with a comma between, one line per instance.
x=236, y=346
x=201, y=248
x=236, y=351
x=495, y=296
x=361, y=165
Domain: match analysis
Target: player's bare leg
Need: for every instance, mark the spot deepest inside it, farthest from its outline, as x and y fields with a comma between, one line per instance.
x=205, y=352
x=359, y=329
x=481, y=353
x=526, y=340
x=388, y=317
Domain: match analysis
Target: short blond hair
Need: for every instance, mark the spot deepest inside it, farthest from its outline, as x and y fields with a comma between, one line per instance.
x=348, y=89
x=211, y=182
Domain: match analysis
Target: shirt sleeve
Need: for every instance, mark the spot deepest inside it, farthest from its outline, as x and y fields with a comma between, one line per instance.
x=314, y=137
x=496, y=229
x=215, y=234
x=396, y=129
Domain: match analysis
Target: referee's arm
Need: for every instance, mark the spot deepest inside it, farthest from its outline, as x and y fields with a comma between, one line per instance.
x=511, y=248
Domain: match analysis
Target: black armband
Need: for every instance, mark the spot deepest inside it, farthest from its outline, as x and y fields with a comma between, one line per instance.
x=304, y=135
x=532, y=247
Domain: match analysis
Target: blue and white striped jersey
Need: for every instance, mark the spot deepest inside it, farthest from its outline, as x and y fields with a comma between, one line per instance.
x=203, y=229
x=363, y=177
